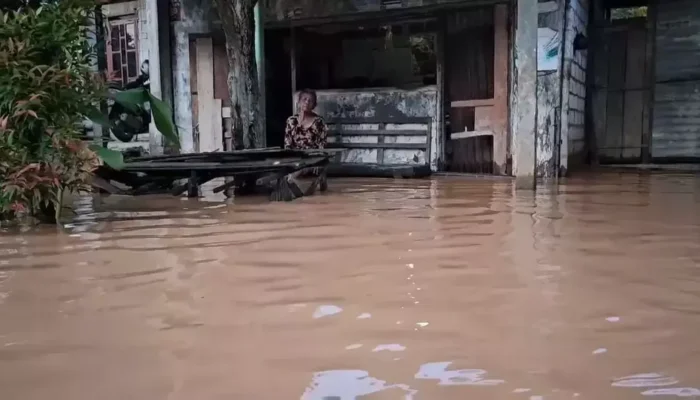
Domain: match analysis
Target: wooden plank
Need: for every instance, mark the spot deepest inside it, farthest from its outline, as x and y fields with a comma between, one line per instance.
x=634, y=97
x=394, y=146
x=439, y=142
x=612, y=147
x=482, y=118
x=379, y=120
x=499, y=113
x=472, y=103
x=380, y=150
x=375, y=132
x=650, y=80
x=599, y=94
x=205, y=94
x=293, y=56
x=217, y=131
x=470, y=134
x=220, y=65
x=617, y=57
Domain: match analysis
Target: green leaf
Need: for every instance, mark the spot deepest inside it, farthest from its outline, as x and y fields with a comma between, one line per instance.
x=132, y=98
x=97, y=117
x=112, y=158
x=163, y=118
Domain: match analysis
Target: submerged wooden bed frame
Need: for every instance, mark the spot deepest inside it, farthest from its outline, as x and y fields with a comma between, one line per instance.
x=246, y=171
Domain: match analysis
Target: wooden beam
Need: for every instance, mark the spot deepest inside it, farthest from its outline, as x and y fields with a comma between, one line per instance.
x=260, y=63
x=499, y=111
x=376, y=132
x=377, y=146
x=293, y=56
x=478, y=102
x=205, y=94
x=469, y=134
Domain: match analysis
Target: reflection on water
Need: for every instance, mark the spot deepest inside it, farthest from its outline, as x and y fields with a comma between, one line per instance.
x=381, y=289
x=349, y=385
x=438, y=371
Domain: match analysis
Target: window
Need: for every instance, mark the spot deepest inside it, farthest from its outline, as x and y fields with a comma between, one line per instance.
x=122, y=50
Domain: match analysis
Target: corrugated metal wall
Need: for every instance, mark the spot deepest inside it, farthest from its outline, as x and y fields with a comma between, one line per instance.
x=676, y=126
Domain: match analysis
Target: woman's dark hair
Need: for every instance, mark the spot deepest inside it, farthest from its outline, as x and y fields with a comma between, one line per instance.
x=311, y=93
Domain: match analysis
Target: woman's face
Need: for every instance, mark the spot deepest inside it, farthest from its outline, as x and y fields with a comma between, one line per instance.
x=306, y=102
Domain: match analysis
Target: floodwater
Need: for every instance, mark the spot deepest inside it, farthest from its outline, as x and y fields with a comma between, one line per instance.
x=380, y=289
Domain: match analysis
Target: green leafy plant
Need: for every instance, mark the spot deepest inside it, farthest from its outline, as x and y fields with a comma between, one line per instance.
x=47, y=89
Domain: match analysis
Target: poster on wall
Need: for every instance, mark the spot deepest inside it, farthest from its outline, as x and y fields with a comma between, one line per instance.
x=548, y=41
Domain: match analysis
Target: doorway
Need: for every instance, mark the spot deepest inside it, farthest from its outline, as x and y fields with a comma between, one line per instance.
x=476, y=91
x=620, y=102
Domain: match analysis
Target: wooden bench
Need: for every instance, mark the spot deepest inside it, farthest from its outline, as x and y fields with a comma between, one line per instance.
x=380, y=146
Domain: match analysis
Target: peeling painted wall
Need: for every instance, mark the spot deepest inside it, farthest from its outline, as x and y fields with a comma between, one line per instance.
x=547, y=123
x=195, y=18
x=385, y=103
x=550, y=15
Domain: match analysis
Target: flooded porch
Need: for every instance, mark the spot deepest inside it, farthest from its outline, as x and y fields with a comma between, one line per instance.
x=391, y=289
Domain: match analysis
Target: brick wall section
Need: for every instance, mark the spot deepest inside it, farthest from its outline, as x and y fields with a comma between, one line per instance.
x=577, y=16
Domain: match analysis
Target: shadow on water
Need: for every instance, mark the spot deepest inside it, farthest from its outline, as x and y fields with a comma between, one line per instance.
x=439, y=289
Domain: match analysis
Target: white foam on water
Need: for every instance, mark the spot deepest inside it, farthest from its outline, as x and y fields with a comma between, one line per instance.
x=438, y=371
x=678, y=392
x=326, y=311
x=389, y=347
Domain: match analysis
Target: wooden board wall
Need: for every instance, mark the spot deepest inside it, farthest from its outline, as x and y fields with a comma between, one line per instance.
x=620, y=98
x=477, y=61
x=209, y=89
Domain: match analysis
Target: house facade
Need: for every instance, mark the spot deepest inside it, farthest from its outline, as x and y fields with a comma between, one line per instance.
x=483, y=86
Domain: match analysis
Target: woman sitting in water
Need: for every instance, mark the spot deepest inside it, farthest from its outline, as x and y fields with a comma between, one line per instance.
x=305, y=130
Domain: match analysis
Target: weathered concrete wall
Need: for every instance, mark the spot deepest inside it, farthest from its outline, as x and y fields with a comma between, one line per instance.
x=385, y=103
x=547, y=123
x=561, y=93
x=195, y=18
x=523, y=104
x=550, y=16
x=280, y=10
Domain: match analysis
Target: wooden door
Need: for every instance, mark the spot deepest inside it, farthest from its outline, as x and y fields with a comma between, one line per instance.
x=621, y=92
x=476, y=56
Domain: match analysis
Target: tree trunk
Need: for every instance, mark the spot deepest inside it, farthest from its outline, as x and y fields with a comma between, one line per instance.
x=238, y=20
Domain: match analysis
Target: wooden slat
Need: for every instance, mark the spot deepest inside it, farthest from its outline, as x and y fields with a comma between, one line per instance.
x=217, y=131
x=205, y=94
x=376, y=132
x=377, y=120
x=499, y=113
x=634, y=99
x=465, y=135
x=473, y=103
x=395, y=146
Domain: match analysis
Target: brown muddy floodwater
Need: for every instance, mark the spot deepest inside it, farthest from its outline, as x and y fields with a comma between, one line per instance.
x=381, y=289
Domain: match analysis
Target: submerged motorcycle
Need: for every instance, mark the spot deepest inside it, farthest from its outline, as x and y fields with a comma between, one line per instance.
x=125, y=122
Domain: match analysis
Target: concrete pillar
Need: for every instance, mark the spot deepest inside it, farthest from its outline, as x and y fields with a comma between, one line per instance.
x=152, y=43
x=260, y=62
x=523, y=111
